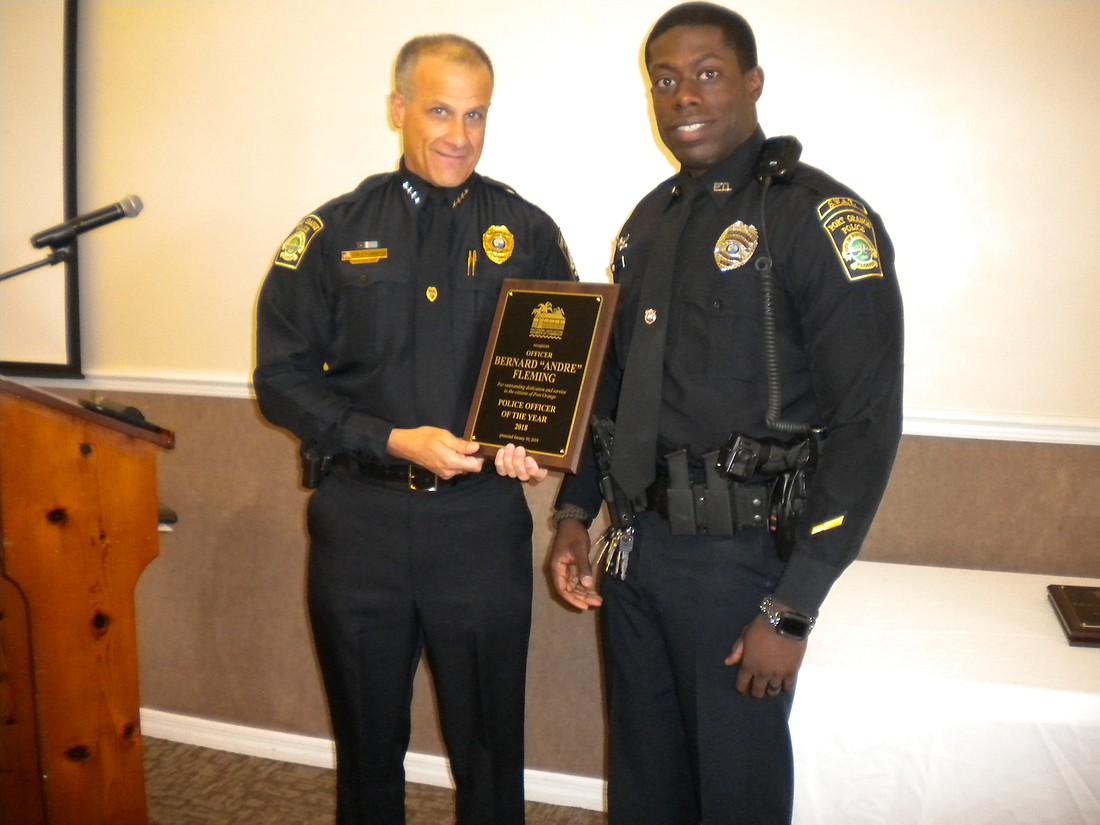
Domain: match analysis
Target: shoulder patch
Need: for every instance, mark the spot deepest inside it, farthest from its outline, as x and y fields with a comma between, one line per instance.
x=294, y=247
x=849, y=227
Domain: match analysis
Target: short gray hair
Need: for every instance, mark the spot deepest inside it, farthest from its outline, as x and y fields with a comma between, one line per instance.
x=450, y=46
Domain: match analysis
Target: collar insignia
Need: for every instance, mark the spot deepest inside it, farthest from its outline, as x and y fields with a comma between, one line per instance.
x=414, y=196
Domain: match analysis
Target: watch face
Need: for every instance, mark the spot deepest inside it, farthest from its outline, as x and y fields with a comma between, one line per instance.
x=793, y=626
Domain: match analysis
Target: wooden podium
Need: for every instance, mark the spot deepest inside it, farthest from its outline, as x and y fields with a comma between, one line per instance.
x=78, y=521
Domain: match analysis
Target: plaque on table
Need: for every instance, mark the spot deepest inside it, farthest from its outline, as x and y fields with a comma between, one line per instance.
x=541, y=369
x=1078, y=609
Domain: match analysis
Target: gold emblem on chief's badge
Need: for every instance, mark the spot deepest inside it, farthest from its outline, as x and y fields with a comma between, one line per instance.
x=498, y=243
x=735, y=246
x=431, y=293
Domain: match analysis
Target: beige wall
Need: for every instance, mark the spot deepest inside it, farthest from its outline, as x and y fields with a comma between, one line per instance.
x=966, y=124
x=222, y=627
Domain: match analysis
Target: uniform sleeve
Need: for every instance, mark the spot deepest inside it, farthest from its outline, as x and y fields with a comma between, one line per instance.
x=557, y=264
x=582, y=489
x=850, y=317
x=292, y=328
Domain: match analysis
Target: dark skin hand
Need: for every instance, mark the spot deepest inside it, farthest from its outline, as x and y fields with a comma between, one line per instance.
x=569, y=568
x=769, y=663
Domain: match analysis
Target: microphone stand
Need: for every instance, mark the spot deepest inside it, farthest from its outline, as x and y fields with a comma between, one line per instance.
x=56, y=256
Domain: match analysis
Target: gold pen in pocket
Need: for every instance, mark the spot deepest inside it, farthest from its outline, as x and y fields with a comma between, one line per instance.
x=471, y=263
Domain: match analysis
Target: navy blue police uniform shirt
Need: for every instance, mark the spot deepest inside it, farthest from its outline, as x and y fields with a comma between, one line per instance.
x=839, y=334
x=336, y=332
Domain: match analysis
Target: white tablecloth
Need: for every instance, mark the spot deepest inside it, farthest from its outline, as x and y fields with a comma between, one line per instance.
x=932, y=696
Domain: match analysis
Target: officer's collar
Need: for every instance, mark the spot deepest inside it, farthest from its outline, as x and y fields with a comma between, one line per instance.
x=729, y=175
x=419, y=191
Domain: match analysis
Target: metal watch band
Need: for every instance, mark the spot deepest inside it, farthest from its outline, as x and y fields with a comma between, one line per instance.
x=787, y=623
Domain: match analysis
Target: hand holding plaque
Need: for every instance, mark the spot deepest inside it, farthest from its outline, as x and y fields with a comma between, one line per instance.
x=541, y=369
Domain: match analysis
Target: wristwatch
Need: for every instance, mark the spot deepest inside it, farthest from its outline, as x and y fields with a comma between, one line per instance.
x=787, y=622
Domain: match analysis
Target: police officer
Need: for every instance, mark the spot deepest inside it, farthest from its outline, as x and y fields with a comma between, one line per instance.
x=761, y=317
x=372, y=323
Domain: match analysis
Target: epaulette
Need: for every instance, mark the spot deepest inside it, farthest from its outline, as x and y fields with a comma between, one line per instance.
x=818, y=182
x=364, y=186
x=294, y=248
x=372, y=182
x=503, y=186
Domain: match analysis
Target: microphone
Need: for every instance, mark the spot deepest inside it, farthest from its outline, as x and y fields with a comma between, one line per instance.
x=64, y=233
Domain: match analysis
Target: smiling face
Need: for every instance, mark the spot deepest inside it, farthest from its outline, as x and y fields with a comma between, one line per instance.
x=442, y=116
x=704, y=104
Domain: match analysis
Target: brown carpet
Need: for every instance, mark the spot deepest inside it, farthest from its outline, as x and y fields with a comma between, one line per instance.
x=188, y=785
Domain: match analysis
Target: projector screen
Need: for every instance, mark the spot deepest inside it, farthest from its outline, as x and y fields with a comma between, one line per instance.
x=39, y=304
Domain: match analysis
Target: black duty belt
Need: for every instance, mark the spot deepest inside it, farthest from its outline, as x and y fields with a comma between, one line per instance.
x=410, y=477
x=707, y=503
x=699, y=510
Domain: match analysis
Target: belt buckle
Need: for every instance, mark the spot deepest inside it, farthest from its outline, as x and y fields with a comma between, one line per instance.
x=421, y=480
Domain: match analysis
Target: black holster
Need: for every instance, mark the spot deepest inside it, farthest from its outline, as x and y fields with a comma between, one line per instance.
x=716, y=506
x=315, y=465
x=619, y=507
x=789, y=495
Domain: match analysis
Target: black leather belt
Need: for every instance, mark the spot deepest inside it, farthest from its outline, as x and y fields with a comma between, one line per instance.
x=410, y=477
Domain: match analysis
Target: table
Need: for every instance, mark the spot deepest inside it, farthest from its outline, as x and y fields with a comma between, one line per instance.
x=936, y=696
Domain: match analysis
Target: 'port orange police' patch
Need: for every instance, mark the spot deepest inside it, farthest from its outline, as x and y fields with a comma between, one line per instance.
x=849, y=227
x=294, y=247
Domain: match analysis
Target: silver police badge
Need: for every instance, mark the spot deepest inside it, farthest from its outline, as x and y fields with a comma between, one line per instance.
x=735, y=246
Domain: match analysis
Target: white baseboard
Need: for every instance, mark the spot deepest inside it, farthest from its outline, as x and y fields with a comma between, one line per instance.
x=541, y=786
x=222, y=736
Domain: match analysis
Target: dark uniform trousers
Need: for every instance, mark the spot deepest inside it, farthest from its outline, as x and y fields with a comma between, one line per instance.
x=392, y=573
x=681, y=736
